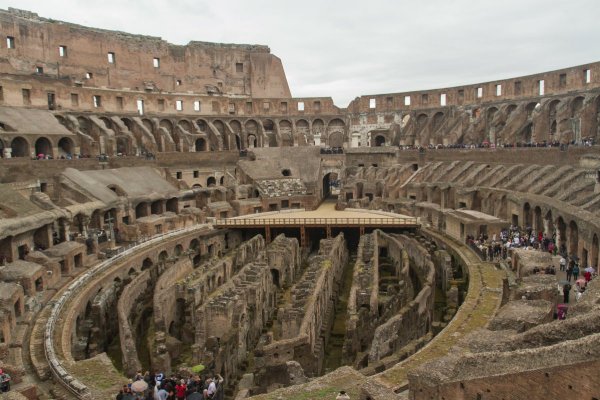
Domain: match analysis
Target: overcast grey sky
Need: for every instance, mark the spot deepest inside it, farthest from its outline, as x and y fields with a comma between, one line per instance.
x=344, y=49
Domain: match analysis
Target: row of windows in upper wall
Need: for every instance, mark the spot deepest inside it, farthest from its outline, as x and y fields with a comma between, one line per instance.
x=97, y=103
x=562, y=82
x=112, y=57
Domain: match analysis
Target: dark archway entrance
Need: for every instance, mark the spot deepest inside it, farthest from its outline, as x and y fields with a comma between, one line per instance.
x=330, y=182
x=20, y=147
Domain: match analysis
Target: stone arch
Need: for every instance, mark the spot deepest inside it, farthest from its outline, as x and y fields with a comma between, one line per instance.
x=252, y=143
x=185, y=125
x=173, y=205
x=236, y=126
x=530, y=108
x=194, y=245
x=573, y=238
x=147, y=263
x=379, y=140
x=43, y=146
x=577, y=106
x=211, y=181
x=148, y=124
x=141, y=210
x=437, y=120
x=20, y=147
x=302, y=131
x=318, y=127
x=510, y=108
x=167, y=125
x=107, y=122
x=66, y=147
x=123, y=145
x=128, y=123
x=163, y=256
x=285, y=130
x=156, y=207
x=252, y=133
x=202, y=125
x=200, y=144
x=178, y=250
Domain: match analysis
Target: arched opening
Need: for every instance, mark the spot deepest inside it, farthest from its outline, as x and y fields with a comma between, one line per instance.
x=194, y=245
x=251, y=141
x=173, y=205
x=527, y=215
x=65, y=148
x=178, y=250
x=330, y=184
x=275, y=277
x=167, y=125
x=185, y=125
x=200, y=144
x=286, y=172
x=379, y=141
x=156, y=207
x=211, y=181
x=438, y=118
x=573, y=239
x=147, y=263
x=238, y=142
x=285, y=130
x=20, y=147
x=178, y=323
x=141, y=210
x=202, y=125
x=122, y=145
x=576, y=106
x=43, y=147
x=162, y=256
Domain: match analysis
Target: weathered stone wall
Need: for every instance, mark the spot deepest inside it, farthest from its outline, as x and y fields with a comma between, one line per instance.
x=313, y=298
x=414, y=320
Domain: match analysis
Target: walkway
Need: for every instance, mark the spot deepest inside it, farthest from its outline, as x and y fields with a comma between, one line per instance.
x=324, y=216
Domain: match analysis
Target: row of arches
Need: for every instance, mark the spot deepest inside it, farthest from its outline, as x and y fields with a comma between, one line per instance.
x=39, y=147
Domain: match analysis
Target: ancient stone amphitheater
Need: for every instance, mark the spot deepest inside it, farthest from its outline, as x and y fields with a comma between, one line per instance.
x=165, y=206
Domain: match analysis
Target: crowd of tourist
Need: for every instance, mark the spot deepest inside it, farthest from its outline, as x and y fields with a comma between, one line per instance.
x=513, y=237
x=157, y=386
x=587, y=142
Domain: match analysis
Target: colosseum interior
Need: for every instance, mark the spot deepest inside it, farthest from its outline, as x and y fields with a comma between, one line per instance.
x=165, y=206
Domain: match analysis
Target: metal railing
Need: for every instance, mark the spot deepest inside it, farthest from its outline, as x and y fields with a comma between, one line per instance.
x=240, y=222
x=76, y=387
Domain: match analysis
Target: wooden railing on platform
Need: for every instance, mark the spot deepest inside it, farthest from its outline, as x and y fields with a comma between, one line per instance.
x=316, y=222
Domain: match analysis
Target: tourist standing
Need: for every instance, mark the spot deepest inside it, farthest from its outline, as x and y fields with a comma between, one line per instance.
x=576, y=272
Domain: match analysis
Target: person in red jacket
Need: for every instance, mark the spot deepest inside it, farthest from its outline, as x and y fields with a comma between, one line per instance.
x=180, y=390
